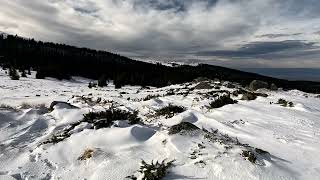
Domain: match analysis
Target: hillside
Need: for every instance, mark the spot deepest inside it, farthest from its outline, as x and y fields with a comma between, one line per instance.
x=63, y=61
x=257, y=139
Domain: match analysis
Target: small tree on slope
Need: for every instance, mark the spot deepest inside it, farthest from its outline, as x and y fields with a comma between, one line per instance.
x=23, y=74
x=13, y=73
x=102, y=81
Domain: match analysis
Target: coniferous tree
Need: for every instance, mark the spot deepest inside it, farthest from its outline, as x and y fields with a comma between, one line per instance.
x=63, y=61
x=117, y=85
x=23, y=74
x=90, y=85
x=13, y=73
x=40, y=75
x=102, y=81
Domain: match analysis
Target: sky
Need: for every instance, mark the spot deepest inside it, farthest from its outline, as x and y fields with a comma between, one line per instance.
x=231, y=33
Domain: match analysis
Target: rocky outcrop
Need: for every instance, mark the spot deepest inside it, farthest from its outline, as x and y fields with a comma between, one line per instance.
x=201, y=79
x=183, y=126
x=273, y=87
x=62, y=104
x=256, y=84
x=228, y=84
x=203, y=85
x=249, y=96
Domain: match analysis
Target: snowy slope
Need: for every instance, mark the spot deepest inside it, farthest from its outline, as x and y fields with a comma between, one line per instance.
x=291, y=135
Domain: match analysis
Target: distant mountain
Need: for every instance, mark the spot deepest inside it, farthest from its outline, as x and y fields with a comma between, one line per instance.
x=63, y=61
x=306, y=74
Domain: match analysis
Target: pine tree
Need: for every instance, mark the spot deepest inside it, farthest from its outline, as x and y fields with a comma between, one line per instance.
x=23, y=74
x=13, y=73
x=102, y=81
x=90, y=85
x=40, y=75
x=117, y=85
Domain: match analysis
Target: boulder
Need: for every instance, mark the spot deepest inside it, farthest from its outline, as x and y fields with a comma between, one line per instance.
x=248, y=96
x=62, y=104
x=250, y=156
x=256, y=84
x=273, y=87
x=229, y=84
x=203, y=85
x=262, y=94
x=216, y=80
x=183, y=126
x=200, y=79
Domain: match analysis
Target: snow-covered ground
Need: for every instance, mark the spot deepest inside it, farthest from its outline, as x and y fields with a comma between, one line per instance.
x=291, y=135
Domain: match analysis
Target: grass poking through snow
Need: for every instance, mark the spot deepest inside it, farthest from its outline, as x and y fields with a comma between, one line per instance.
x=222, y=101
x=87, y=154
x=170, y=111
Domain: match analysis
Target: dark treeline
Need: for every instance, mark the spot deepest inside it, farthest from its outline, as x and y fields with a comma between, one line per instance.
x=63, y=61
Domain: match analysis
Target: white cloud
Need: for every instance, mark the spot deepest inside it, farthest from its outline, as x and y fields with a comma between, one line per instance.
x=165, y=28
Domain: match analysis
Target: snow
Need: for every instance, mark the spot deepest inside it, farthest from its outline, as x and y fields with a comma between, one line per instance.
x=290, y=134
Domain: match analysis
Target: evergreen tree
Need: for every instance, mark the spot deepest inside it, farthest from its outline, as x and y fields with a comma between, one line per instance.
x=102, y=81
x=90, y=85
x=23, y=74
x=63, y=61
x=117, y=84
x=13, y=73
x=40, y=75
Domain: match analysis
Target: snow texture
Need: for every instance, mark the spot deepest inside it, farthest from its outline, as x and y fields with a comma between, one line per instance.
x=290, y=135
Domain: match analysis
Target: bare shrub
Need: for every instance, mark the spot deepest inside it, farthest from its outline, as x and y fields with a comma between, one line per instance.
x=87, y=154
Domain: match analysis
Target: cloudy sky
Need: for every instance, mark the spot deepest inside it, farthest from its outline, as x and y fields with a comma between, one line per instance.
x=233, y=33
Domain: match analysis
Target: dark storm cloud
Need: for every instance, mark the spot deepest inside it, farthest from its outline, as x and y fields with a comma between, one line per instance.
x=260, y=49
x=86, y=11
x=300, y=8
x=176, y=5
x=175, y=28
x=277, y=35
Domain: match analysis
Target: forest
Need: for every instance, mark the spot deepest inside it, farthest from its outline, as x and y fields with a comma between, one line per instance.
x=63, y=61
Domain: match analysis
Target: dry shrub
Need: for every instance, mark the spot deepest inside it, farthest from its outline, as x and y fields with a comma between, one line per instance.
x=87, y=154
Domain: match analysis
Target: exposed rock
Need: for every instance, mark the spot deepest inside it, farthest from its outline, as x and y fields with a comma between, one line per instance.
x=201, y=79
x=256, y=84
x=222, y=101
x=62, y=105
x=239, y=91
x=216, y=80
x=203, y=85
x=273, y=87
x=248, y=96
x=250, y=156
x=229, y=84
x=260, y=151
x=262, y=94
x=183, y=126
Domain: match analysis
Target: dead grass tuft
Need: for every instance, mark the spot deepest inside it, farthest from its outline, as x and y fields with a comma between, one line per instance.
x=87, y=154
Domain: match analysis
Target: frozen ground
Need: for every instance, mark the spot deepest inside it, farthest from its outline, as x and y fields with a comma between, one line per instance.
x=291, y=135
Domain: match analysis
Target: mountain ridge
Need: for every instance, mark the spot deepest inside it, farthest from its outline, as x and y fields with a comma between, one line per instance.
x=63, y=61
